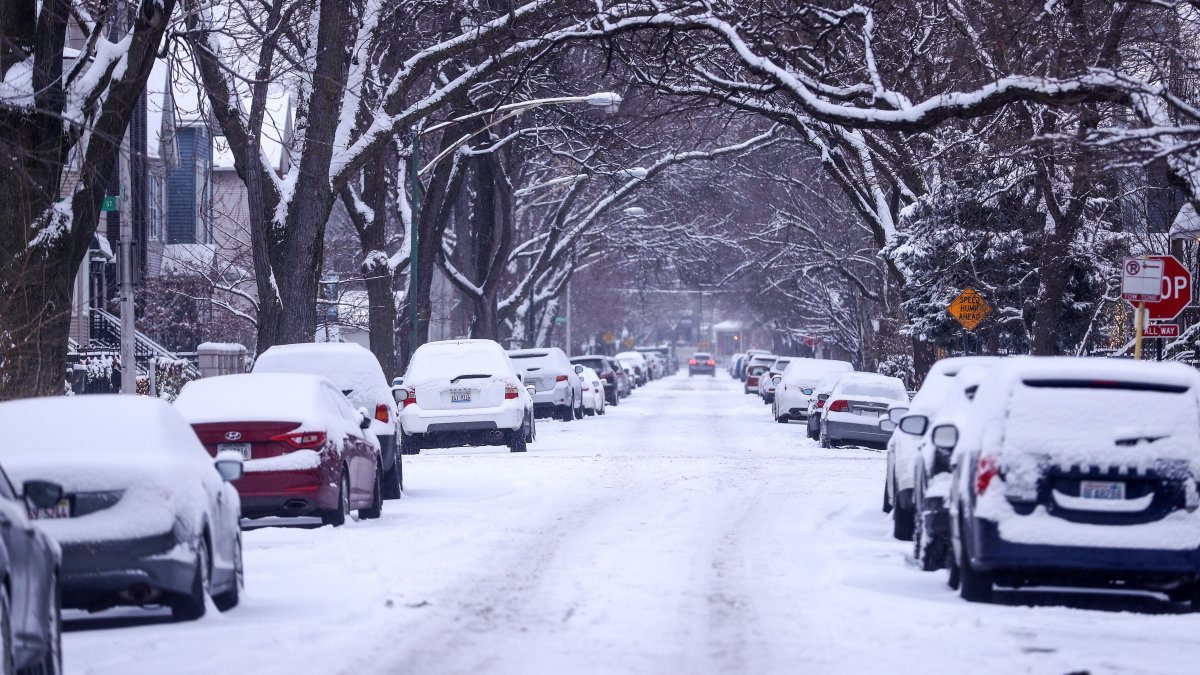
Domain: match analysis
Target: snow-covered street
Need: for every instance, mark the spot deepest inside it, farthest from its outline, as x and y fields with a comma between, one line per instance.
x=683, y=532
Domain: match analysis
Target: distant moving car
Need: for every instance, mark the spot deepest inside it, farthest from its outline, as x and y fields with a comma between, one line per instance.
x=608, y=370
x=855, y=405
x=30, y=602
x=144, y=517
x=637, y=361
x=307, y=452
x=903, y=449
x=820, y=396
x=464, y=392
x=355, y=370
x=702, y=363
x=593, y=390
x=797, y=385
x=558, y=391
x=1079, y=472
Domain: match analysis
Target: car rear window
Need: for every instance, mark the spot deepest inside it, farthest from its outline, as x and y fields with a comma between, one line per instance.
x=882, y=389
x=701, y=356
x=450, y=363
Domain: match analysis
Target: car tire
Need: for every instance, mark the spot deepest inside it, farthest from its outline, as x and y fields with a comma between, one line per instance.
x=902, y=523
x=579, y=411
x=7, y=648
x=376, y=508
x=230, y=598
x=973, y=585
x=566, y=414
x=393, y=480
x=409, y=444
x=953, y=578
x=337, y=517
x=191, y=606
x=825, y=441
x=516, y=439
x=531, y=428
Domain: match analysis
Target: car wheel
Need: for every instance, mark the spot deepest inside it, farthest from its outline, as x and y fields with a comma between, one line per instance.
x=376, y=508
x=337, y=517
x=393, y=480
x=973, y=585
x=191, y=607
x=565, y=414
x=51, y=663
x=530, y=429
x=579, y=411
x=952, y=577
x=409, y=444
x=825, y=442
x=230, y=598
x=902, y=523
x=516, y=440
x=6, y=639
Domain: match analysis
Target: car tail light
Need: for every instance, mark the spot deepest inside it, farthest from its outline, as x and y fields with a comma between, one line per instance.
x=382, y=413
x=510, y=391
x=985, y=471
x=410, y=397
x=561, y=378
x=820, y=404
x=839, y=406
x=711, y=362
x=302, y=440
x=692, y=362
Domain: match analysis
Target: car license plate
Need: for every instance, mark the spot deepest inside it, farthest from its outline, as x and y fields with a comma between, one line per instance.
x=60, y=510
x=243, y=448
x=460, y=396
x=867, y=412
x=1095, y=489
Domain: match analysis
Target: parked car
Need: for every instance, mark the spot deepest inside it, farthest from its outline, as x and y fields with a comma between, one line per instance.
x=735, y=363
x=31, y=562
x=558, y=391
x=610, y=373
x=144, y=516
x=465, y=392
x=903, y=448
x=624, y=378
x=593, y=390
x=754, y=373
x=702, y=363
x=855, y=405
x=767, y=385
x=762, y=356
x=666, y=354
x=797, y=385
x=820, y=395
x=1078, y=472
x=356, y=372
x=307, y=451
x=638, y=362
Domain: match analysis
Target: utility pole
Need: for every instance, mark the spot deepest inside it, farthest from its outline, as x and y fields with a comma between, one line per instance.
x=414, y=334
x=128, y=329
x=570, y=345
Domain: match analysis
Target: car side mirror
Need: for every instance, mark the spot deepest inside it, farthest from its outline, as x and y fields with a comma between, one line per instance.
x=914, y=424
x=42, y=494
x=807, y=391
x=897, y=414
x=578, y=369
x=944, y=436
x=230, y=465
x=822, y=397
x=364, y=420
x=887, y=425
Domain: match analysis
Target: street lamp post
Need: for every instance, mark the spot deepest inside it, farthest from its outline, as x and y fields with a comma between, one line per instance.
x=607, y=100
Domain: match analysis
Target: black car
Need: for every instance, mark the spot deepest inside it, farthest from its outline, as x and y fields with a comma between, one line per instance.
x=606, y=367
x=702, y=363
x=30, y=605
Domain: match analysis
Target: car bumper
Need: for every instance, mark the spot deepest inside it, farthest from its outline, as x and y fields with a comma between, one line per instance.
x=510, y=415
x=862, y=433
x=1052, y=563
x=702, y=370
x=95, y=575
x=289, y=493
x=559, y=395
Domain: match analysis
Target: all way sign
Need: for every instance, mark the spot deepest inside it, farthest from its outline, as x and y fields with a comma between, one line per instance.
x=1161, y=330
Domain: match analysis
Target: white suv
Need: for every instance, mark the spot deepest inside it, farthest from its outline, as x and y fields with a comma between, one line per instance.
x=463, y=392
x=557, y=390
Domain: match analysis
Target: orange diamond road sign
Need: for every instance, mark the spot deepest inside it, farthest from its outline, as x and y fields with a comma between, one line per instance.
x=969, y=308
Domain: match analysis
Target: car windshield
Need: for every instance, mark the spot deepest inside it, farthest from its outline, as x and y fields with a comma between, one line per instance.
x=543, y=361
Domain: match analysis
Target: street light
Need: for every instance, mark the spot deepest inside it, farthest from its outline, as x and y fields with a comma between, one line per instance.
x=609, y=101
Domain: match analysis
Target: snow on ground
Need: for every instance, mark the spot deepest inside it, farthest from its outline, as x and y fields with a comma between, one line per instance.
x=683, y=532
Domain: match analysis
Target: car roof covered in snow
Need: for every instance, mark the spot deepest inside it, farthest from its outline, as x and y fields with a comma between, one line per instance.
x=349, y=366
x=871, y=385
x=258, y=397
x=447, y=359
x=806, y=369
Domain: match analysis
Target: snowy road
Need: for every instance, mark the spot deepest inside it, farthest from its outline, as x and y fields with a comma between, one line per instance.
x=684, y=532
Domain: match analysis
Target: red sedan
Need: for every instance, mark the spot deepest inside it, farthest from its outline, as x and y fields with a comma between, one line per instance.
x=306, y=450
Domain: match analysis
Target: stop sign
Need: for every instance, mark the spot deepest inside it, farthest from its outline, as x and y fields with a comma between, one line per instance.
x=1176, y=290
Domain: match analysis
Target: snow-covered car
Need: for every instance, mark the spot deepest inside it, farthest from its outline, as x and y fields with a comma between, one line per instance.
x=30, y=561
x=749, y=358
x=464, y=393
x=593, y=390
x=797, y=386
x=307, y=451
x=702, y=363
x=355, y=370
x=855, y=406
x=768, y=384
x=1079, y=472
x=754, y=373
x=558, y=392
x=735, y=363
x=637, y=361
x=146, y=516
x=624, y=378
x=820, y=395
x=608, y=370
x=903, y=448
